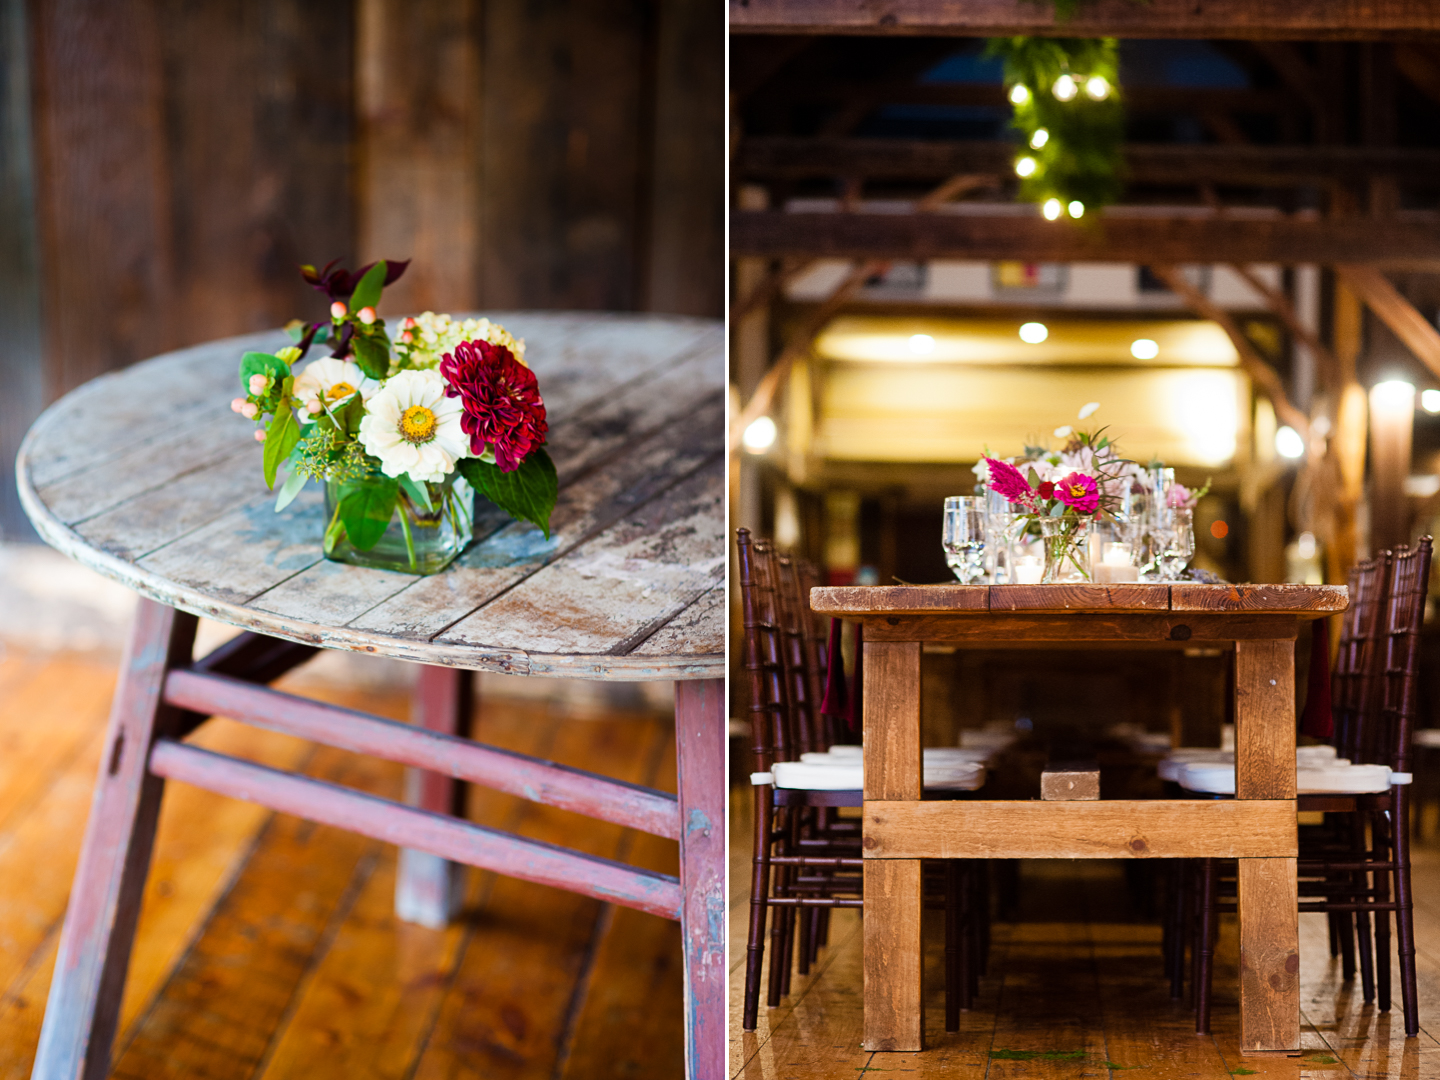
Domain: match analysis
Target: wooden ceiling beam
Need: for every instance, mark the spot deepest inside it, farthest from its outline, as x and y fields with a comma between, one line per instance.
x=766, y=157
x=1357, y=20
x=801, y=88
x=1139, y=238
x=1381, y=297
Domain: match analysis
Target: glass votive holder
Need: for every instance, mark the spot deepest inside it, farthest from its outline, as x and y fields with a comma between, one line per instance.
x=1114, y=556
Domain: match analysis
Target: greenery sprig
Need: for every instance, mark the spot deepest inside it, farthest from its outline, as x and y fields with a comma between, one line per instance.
x=1067, y=108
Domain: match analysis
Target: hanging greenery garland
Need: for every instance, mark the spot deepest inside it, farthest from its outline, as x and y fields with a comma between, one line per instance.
x=1066, y=98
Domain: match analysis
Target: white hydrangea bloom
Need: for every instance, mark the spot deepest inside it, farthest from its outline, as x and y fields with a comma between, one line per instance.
x=413, y=428
x=432, y=336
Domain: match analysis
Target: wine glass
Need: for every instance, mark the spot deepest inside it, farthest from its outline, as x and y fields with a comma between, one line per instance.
x=1176, y=542
x=964, y=537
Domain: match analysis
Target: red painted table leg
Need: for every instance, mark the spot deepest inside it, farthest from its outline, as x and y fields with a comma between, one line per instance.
x=84, y=1004
x=700, y=751
x=430, y=890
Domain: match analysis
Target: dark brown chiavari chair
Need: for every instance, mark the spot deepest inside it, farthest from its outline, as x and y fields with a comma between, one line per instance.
x=802, y=864
x=1342, y=873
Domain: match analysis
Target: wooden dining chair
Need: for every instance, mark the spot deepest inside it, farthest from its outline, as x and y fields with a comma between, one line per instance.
x=1341, y=871
x=803, y=863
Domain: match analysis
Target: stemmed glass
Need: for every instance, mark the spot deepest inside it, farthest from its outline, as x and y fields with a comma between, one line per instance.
x=1176, y=542
x=964, y=537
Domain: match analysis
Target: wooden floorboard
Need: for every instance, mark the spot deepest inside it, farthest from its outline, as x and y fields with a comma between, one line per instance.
x=1076, y=990
x=267, y=946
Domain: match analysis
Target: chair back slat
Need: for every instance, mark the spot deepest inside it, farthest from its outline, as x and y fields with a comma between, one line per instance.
x=764, y=671
x=1399, y=654
x=1354, y=684
x=803, y=704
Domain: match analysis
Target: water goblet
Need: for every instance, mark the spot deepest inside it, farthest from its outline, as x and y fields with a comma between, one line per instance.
x=964, y=537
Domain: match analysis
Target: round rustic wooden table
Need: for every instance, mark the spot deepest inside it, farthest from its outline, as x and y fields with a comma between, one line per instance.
x=146, y=476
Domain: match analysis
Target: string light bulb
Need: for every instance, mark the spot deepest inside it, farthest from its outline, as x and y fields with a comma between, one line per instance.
x=1039, y=139
x=1019, y=94
x=1097, y=88
x=760, y=435
x=1025, y=167
x=1051, y=209
x=1076, y=208
x=1065, y=88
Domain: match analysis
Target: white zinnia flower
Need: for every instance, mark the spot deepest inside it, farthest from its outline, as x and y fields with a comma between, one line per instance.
x=412, y=427
x=330, y=381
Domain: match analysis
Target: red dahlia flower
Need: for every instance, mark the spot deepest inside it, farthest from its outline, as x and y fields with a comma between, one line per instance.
x=1079, y=492
x=501, y=401
x=1046, y=489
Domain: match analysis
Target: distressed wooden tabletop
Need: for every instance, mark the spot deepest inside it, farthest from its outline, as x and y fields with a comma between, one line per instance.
x=148, y=477
x=1301, y=601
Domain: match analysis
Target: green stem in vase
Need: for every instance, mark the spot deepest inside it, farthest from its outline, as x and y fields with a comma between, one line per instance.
x=405, y=527
x=333, y=530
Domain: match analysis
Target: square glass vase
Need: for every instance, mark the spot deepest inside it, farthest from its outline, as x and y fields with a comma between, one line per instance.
x=417, y=540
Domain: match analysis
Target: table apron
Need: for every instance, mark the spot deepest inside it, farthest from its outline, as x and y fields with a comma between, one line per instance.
x=1174, y=629
x=1107, y=829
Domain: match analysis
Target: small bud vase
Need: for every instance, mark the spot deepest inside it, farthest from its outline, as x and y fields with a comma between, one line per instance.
x=1067, y=549
x=418, y=540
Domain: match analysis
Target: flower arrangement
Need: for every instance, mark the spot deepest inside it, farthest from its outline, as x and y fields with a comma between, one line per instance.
x=1059, y=493
x=400, y=431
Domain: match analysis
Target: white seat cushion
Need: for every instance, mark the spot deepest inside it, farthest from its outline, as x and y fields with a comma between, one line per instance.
x=1305, y=757
x=1427, y=737
x=1215, y=778
x=829, y=776
x=937, y=755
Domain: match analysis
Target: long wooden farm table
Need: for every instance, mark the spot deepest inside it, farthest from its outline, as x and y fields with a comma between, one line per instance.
x=1258, y=827
x=148, y=477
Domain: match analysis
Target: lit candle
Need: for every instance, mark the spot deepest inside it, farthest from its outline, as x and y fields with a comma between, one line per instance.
x=1028, y=570
x=1116, y=565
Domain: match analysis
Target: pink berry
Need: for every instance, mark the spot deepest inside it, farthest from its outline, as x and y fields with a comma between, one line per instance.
x=260, y=435
x=407, y=323
x=259, y=383
x=237, y=404
x=338, y=309
x=407, y=337
x=367, y=315
x=314, y=408
x=249, y=410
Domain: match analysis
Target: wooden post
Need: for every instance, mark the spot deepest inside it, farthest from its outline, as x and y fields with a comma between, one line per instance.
x=1269, y=919
x=430, y=890
x=89, y=982
x=1392, y=427
x=894, y=1007
x=700, y=757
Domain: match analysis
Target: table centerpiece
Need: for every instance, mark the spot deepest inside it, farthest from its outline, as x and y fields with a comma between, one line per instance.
x=402, y=432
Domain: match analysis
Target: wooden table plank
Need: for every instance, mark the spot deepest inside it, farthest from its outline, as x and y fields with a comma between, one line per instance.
x=699, y=629
x=1301, y=599
x=1080, y=597
x=616, y=590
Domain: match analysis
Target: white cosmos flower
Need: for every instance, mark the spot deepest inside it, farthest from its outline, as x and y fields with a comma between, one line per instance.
x=412, y=427
x=330, y=381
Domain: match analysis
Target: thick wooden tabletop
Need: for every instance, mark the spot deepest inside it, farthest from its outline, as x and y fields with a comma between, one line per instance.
x=1302, y=601
x=148, y=477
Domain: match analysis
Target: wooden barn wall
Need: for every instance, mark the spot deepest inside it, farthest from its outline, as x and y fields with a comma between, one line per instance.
x=186, y=155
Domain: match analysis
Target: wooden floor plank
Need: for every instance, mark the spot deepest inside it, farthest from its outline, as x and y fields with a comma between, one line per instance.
x=633, y=1012
x=369, y=1003
x=516, y=984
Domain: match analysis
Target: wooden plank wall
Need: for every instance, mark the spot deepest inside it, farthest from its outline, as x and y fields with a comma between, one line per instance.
x=564, y=154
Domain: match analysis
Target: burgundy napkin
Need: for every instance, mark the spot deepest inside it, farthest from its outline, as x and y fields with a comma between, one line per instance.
x=857, y=683
x=1317, y=720
x=836, y=702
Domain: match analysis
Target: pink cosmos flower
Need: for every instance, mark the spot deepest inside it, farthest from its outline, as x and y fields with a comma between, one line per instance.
x=1079, y=492
x=1007, y=480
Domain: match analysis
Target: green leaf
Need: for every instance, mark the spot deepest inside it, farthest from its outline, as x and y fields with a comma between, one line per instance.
x=367, y=293
x=351, y=413
x=528, y=493
x=1033, y=477
x=417, y=492
x=373, y=356
x=259, y=363
x=280, y=438
x=366, y=507
x=288, y=490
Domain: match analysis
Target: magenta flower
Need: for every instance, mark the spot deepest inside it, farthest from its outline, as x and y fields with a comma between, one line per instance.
x=1079, y=492
x=1178, y=497
x=1006, y=479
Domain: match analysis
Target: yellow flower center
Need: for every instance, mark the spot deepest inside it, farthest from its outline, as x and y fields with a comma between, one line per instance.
x=1077, y=492
x=417, y=425
x=339, y=390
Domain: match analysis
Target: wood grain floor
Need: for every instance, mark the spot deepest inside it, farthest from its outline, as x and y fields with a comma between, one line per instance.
x=267, y=946
x=1075, y=990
